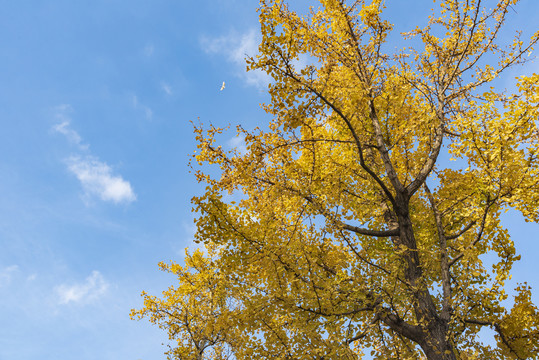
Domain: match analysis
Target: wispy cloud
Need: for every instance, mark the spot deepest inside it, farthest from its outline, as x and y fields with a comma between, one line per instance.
x=236, y=47
x=86, y=292
x=148, y=113
x=97, y=179
x=166, y=88
x=6, y=274
x=61, y=113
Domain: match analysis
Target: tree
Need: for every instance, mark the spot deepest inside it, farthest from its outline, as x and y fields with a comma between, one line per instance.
x=348, y=233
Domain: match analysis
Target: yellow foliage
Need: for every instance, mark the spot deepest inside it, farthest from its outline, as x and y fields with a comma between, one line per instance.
x=335, y=246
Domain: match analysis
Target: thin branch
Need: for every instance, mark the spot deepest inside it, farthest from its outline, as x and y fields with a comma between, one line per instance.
x=468, y=43
x=327, y=215
x=364, y=332
x=461, y=232
x=479, y=234
x=350, y=128
x=498, y=329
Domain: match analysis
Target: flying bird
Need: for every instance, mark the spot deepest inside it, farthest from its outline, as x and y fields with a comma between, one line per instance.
x=222, y=86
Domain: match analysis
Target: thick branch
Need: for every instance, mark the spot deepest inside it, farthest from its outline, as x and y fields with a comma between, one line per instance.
x=368, y=232
x=352, y=131
x=381, y=146
x=444, y=265
x=307, y=141
x=431, y=160
x=382, y=149
x=327, y=215
x=412, y=332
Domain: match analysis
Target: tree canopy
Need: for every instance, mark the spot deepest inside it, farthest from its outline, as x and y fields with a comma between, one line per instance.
x=348, y=233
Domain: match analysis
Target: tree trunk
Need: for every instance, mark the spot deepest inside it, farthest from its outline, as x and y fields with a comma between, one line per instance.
x=434, y=340
x=436, y=346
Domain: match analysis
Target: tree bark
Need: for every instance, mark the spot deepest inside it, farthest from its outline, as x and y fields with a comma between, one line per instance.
x=434, y=340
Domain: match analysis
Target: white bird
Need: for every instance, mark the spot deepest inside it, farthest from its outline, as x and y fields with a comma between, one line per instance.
x=222, y=86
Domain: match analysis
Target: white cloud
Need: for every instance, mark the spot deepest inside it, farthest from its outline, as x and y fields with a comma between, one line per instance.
x=236, y=47
x=95, y=176
x=88, y=291
x=166, y=88
x=97, y=179
x=63, y=127
x=6, y=274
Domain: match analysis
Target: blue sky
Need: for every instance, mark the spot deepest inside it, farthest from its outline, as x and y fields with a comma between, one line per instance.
x=96, y=100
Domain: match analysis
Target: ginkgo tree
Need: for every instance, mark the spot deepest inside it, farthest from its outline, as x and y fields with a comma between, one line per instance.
x=346, y=235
